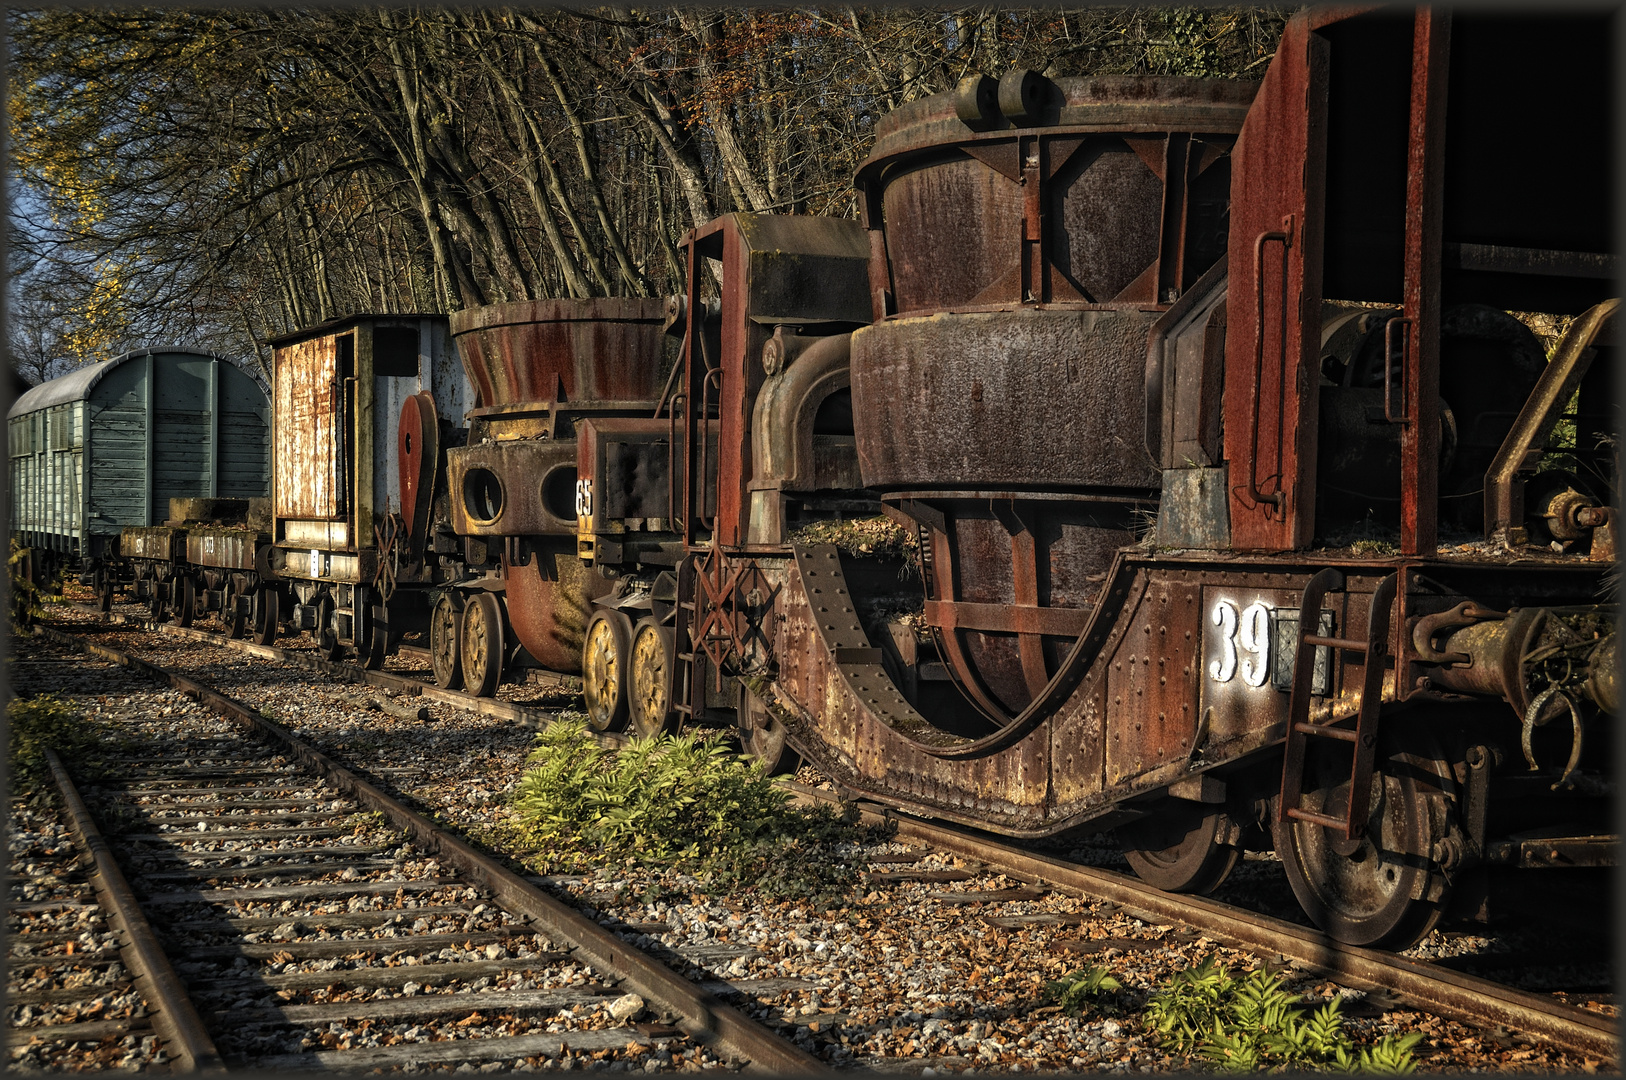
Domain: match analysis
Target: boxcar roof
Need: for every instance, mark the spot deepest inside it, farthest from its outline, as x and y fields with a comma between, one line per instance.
x=77, y=385
x=334, y=325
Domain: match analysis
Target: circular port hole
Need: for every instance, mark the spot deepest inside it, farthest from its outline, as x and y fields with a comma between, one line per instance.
x=482, y=495
x=559, y=492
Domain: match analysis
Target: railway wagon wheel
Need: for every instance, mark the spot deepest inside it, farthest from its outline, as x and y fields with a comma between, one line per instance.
x=104, y=589
x=445, y=647
x=329, y=645
x=378, y=637
x=654, y=653
x=369, y=628
x=267, y=614
x=765, y=737
x=1180, y=847
x=605, y=655
x=1384, y=889
x=156, y=604
x=482, y=645
x=187, y=608
x=238, y=602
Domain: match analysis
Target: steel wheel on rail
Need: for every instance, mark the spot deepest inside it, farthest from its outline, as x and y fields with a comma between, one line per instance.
x=649, y=679
x=445, y=648
x=378, y=637
x=187, y=609
x=482, y=645
x=1181, y=846
x=236, y=613
x=266, y=614
x=1383, y=890
x=605, y=652
x=366, y=624
x=328, y=643
x=103, y=582
x=765, y=737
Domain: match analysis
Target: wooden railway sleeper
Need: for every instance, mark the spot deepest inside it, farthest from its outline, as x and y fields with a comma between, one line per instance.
x=174, y=1016
x=1364, y=736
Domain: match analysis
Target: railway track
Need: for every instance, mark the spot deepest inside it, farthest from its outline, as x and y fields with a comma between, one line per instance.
x=292, y=896
x=1475, y=1001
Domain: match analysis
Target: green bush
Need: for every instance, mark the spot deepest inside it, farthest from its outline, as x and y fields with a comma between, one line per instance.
x=1252, y=1024
x=26, y=601
x=673, y=800
x=37, y=723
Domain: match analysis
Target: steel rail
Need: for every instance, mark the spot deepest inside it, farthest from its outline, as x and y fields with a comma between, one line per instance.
x=389, y=680
x=701, y=1015
x=1436, y=990
x=173, y=1015
x=1447, y=993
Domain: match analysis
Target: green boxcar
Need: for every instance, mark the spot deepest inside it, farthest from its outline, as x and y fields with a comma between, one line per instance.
x=109, y=445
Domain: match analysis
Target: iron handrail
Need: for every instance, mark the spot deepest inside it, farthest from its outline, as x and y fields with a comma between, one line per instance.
x=1285, y=236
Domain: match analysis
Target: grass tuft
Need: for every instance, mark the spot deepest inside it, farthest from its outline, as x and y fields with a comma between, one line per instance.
x=35, y=724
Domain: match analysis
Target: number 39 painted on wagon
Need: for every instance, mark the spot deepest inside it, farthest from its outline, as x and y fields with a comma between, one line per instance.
x=1248, y=632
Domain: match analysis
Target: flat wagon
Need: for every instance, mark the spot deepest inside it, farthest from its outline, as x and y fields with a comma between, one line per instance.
x=106, y=448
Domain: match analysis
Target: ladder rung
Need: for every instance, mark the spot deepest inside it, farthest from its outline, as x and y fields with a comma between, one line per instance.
x=1340, y=733
x=1317, y=819
x=1335, y=642
x=686, y=656
x=683, y=709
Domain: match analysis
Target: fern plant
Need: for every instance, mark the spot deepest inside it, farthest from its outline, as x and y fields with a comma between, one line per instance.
x=677, y=800
x=1071, y=991
x=1253, y=1024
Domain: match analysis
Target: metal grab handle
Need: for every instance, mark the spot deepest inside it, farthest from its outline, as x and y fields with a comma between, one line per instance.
x=671, y=460
x=714, y=375
x=1285, y=236
x=1388, y=351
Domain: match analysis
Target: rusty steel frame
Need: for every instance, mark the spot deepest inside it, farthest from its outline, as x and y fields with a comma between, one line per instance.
x=702, y=1016
x=173, y=1015
x=1504, y=495
x=1425, y=197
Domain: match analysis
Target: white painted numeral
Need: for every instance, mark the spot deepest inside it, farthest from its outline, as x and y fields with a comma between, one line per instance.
x=1224, y=617
x=1248, y=633
x=1254, y=637
x=584, y=498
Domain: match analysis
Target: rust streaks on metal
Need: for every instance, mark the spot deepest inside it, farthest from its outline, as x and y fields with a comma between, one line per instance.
x=307, y=449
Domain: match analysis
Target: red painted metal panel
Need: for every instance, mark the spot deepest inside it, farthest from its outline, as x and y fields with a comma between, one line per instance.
x=1271, y=364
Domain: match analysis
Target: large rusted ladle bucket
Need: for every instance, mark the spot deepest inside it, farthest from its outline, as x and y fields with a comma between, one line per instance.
x=1019, y=264
x=540, y=366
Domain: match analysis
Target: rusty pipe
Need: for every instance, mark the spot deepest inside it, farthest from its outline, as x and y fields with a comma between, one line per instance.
x=781, y=350
x=1490, y=657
